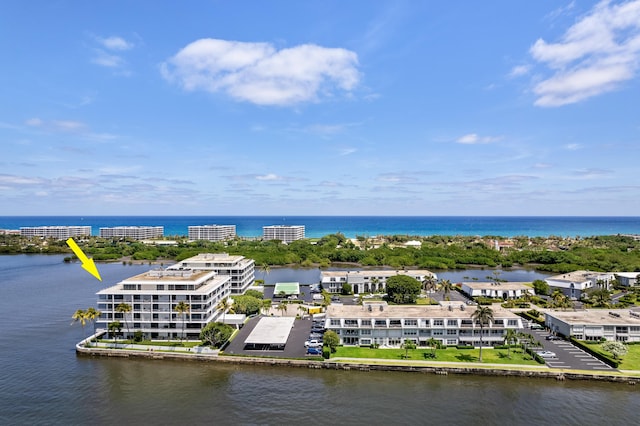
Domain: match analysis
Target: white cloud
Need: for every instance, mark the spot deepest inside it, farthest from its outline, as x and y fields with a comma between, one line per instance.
x=34, y=122
x=573, y=146
x=108, y=60
x=270, y=176
x=347, y=151
x=474, y=138
x=594, y=56
x=261, y=74
x=115, y=43
x=105, y=56
x=519, y=70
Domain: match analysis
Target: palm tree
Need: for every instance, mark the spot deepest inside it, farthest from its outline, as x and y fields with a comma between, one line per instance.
x=482, y=315
x=510, y=337
x=282, y=307
x=80, y=316
x=266, y=305
x=429, y=284
x=182, y=308
x=446, y=287
x=92, y=315
x=124, y=309
x=303, y=309
x=266, y=269
x=434, y=345
x=223, y=305
x=114, y=329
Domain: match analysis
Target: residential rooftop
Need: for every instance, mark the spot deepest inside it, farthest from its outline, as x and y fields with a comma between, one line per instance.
x=453, y=310
x=598, y=317
x=511, y=285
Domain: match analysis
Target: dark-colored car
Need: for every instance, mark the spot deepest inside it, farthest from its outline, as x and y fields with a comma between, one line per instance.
x=314, y=351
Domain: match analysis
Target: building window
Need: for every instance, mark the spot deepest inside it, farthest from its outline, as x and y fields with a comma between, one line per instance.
x=381, y=323
x=438, y=323
x=452, y=323
x=512, y=323
x=335, y=322
x=366, y=322
x=411, y=322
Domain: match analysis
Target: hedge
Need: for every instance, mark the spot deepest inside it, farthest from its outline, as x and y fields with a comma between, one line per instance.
x=602, y=357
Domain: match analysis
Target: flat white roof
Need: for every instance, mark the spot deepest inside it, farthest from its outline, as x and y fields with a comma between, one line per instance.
x=511, y=285
x=271, y=331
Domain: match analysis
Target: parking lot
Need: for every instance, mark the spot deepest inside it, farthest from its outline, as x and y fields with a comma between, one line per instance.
x=293, y=349
x=567, y=355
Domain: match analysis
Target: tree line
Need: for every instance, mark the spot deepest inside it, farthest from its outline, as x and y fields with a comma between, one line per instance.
x=552, y=254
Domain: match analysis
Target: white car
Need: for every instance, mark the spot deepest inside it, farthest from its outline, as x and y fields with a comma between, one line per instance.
x=546, y=354
x=313, y=343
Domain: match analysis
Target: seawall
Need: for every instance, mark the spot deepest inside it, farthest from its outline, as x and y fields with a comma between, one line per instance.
x=316, y=364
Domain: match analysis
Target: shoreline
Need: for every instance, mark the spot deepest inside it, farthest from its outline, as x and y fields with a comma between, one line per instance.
x=348, y=364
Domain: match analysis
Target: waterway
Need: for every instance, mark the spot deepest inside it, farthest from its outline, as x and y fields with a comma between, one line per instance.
x=43, y=382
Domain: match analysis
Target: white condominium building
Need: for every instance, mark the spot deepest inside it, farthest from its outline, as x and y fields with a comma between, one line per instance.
x=240, y=269
x=57, y=232
x=212, y=232
x=596, y=324
x=450, y=323
x=153, y=297
x=284, y=233
x=367, y=281
x=135, y=232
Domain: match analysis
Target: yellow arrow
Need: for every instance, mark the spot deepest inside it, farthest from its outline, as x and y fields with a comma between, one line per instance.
x=87, y=263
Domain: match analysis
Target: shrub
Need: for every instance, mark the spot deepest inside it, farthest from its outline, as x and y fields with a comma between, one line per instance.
x=138, y=335
x=326, y=352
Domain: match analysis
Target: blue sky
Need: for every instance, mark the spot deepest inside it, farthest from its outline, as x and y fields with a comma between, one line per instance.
x=320, y=108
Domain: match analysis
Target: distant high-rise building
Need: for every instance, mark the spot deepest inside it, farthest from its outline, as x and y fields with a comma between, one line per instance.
x=284, y=233
x=212, y=232
x=57, y=232
x=135, y=232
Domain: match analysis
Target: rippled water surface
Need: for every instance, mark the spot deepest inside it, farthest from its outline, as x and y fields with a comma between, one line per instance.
x=43, y=382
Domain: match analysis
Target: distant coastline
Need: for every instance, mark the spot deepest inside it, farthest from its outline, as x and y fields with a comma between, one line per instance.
x=352, y=226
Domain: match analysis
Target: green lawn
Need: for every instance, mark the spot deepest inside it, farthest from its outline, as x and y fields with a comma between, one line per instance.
x=492, y=356
x=631, y=361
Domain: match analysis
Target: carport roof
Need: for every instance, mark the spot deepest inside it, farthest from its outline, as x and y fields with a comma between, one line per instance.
x=287, y=288
x=271, y=331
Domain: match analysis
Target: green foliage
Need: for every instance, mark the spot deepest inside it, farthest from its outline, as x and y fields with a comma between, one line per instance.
x=138, y=336
x=617, y=349
x=331, y=340
x=326, y=352
x=254, y=293
x=346, y=289
x=403, y=289
x=245, y=304
x=553, y=254
x=216, y=334
x=541, y=287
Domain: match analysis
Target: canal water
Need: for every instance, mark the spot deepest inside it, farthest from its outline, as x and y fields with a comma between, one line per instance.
x=44, y=382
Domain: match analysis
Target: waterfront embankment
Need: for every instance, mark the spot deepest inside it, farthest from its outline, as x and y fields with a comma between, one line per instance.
x=356, y=364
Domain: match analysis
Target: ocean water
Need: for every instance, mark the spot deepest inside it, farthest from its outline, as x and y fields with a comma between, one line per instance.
x=43, y=382
x=352, y=226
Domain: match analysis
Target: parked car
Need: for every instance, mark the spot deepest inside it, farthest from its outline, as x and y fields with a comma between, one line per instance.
x=546, y=354
x=314, y=351
x=536, y=326
x=552, y=337
x=317, y=336
x=313, y=343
